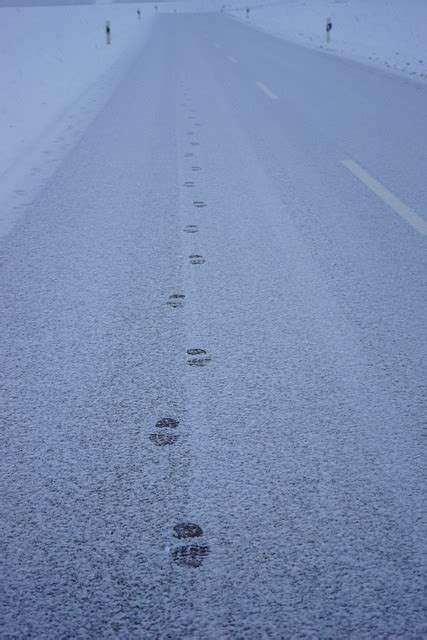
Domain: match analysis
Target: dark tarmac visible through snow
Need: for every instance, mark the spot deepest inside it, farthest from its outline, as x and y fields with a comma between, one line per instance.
x=218, y=434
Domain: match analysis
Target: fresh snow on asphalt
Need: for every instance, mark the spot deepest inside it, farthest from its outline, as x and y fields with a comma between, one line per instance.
x=203, y=254
x=389, y=34
x=56, y=73
x=49, y=57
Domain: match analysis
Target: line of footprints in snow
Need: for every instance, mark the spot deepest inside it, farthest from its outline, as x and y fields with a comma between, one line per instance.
x=187, y=555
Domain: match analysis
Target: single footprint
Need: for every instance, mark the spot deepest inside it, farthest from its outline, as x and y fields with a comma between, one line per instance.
x=163, y=439
x=192, y=556
x=199, y=362
x=169, y=423
x=176, y=300
x=175, y=303
x=196, y=259
x=187, y=530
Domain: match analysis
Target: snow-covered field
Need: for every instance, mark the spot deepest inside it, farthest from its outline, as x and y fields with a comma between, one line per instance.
x=388, y=33
x=56, y=70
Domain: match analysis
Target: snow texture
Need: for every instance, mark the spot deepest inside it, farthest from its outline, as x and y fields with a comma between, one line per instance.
x=292, y=453
x=388, y=33
x=56, y=72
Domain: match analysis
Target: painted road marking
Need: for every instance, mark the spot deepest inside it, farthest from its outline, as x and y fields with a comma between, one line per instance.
x=266, y=90
x=405, y=212
x=232, y=59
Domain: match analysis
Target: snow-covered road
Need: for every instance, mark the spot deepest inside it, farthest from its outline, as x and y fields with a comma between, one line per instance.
x=265, y=204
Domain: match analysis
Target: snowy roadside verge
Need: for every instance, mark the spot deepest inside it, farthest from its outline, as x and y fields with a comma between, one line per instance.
x=57, y=72
x=389, y=34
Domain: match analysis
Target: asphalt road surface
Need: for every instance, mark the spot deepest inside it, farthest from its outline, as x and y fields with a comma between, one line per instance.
x=212, y=347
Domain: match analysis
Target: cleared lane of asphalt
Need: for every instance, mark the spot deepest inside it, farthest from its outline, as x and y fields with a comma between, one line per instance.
x=292, y=367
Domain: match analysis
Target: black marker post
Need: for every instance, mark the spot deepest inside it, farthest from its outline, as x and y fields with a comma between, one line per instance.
x=328, y=29
x=108, y=32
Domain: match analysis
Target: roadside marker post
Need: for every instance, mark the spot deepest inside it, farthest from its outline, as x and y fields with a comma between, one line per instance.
x=328, y=29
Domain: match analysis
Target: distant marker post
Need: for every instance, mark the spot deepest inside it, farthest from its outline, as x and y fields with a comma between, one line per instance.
x=328, y=29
